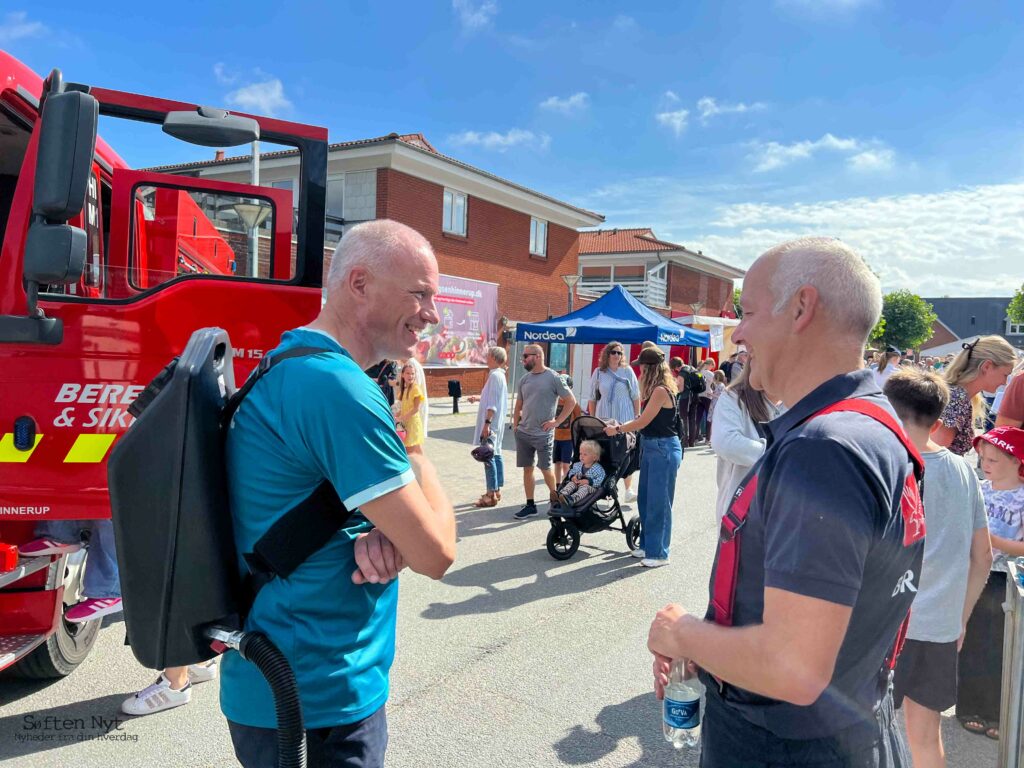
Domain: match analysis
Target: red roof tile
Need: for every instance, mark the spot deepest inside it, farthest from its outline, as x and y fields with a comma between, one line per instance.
x=624, y=241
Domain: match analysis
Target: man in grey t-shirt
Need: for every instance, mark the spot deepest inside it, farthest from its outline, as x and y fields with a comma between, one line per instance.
x=534, y=421
x=957, y=557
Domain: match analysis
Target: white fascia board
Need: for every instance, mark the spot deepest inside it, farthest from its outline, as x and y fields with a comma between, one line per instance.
x=619, y=259
x=700, y=263
x=430, y=167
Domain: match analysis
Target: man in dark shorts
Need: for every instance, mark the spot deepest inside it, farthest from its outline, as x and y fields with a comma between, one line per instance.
x=794, y=649
x=534, y=420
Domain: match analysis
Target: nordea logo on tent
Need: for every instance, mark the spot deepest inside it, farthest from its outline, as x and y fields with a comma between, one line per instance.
x=548, y=335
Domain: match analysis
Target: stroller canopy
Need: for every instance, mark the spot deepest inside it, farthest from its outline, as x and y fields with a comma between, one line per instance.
x=616, y=316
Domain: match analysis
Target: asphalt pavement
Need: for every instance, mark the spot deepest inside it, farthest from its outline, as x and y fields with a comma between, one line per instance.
x=513, y=659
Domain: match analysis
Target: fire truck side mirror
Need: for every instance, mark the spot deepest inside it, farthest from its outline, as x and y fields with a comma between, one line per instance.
x=211, y=127
x=67, y=140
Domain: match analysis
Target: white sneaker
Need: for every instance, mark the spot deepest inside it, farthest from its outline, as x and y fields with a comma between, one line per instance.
x=650, y=562
x=638, y=553
x=201, y=673
x=156, y=698
x=629, y=497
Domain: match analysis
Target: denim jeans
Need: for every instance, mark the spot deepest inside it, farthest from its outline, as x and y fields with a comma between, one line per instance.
x=494, y=472
x=660, y=458
x=359, y=745
x=101, y=575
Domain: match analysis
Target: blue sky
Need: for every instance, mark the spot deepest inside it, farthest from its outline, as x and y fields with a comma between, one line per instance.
x=896, y=125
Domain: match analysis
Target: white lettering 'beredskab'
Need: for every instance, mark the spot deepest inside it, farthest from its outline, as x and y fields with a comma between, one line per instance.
x=905, y=582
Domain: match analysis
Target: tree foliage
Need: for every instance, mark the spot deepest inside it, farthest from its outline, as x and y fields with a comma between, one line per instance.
x=1016, y=309
x=907, y=320
x=736, y=293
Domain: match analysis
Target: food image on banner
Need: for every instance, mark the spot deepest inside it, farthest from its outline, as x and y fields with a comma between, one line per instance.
x=468, y=327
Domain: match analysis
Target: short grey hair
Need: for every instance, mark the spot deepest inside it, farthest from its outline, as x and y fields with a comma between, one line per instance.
x=848, y=289
x=498, y=355
x=372, y=245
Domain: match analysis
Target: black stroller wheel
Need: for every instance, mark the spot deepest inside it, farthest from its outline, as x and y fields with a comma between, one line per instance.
x=563, y=540
x=633, y=533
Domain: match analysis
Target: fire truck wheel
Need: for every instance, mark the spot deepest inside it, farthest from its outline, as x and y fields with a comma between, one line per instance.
x=62, y=652
x=70, y=643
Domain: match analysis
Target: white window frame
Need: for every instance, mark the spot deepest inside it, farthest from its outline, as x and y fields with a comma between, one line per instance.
x=448, y=223
x=1014, y=329
x=538, y=237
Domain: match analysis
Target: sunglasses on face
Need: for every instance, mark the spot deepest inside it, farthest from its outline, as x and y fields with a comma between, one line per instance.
x=616, y=352
x=529, y=355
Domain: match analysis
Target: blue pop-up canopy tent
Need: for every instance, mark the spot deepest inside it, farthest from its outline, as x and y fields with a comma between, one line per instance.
x=616, y=316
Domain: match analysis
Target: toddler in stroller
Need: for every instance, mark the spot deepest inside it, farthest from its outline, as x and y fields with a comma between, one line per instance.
x=585, y=476
x=593, y=505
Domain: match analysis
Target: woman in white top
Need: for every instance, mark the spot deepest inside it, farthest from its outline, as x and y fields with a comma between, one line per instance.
x=615, y=394
x=887, y=366
x=735, y=438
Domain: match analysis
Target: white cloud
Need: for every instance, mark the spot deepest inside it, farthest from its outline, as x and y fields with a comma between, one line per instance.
x=671, y=97
x=861, y=155
x=676, y=120
x=872, y=160
x=501, y=142
x=264, y=98
x=567, y=106
x=474, y=16
x=960, y=242
x=709, y=107
x=16, y=26
x=223, y=77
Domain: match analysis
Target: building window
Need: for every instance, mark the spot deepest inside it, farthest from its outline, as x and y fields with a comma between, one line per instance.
x=538, y=237
x=1014, y=329
x=454, y=219
x=351, y=199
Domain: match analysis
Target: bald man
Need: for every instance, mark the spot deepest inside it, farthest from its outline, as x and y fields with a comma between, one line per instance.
x=318, y=419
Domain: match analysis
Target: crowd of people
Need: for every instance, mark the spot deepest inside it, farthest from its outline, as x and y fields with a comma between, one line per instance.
x=821, y=456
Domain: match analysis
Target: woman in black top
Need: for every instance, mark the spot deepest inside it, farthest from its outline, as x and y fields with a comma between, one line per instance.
x=661, y=454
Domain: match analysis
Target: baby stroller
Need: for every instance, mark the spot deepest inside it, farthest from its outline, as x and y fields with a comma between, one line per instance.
x=620, y=456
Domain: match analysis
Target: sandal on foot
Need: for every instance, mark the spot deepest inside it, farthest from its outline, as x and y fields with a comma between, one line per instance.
x=992, y=733
x=487, y=500
x=973, y=724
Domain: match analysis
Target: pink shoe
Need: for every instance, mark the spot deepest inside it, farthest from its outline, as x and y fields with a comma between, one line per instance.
x=40, y=547
x=93, y=608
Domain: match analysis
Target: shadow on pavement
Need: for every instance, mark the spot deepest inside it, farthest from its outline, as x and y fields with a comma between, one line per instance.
x=34, y=732
x=550, y=579
x=637, y=719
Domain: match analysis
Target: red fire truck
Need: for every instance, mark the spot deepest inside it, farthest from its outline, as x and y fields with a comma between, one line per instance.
x=84, y=329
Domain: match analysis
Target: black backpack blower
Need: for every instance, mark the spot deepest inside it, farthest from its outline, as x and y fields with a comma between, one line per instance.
x=184, y=600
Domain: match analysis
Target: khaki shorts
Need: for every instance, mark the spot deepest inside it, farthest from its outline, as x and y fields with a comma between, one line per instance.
x=529, y=446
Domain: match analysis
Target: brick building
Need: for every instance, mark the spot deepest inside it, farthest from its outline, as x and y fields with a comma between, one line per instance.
x=481, y=227
x=964, y=319
x=666, y=276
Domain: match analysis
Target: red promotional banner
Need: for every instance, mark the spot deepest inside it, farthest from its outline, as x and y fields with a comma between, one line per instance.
x=468, y=326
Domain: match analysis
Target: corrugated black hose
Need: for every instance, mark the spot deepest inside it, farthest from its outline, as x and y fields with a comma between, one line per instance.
x=291, y=735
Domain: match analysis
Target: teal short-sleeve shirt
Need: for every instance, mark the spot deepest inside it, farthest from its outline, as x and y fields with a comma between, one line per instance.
x=310, y=419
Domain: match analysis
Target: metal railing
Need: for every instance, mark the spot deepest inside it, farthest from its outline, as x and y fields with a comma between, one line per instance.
x=649, y=290
x=1011, y=719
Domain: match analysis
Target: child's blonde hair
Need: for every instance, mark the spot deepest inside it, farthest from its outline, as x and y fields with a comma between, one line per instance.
x=720, y=376
x=593, y=446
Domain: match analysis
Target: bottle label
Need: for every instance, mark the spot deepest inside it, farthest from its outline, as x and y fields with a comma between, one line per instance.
x=682, y=714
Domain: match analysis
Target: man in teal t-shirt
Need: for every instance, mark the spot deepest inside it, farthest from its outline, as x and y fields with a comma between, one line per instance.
x=315, y=418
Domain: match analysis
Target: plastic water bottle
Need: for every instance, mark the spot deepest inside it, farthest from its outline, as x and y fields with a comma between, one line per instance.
x=681, y=719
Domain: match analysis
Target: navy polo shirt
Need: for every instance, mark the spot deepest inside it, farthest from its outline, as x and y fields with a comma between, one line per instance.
x=825, y=522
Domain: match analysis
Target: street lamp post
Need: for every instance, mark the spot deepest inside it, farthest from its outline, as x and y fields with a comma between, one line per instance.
x=252, y=215
x=570, y=281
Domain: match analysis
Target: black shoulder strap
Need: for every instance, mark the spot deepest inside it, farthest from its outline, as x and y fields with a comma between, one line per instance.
x=261, y=370
x=305, y=528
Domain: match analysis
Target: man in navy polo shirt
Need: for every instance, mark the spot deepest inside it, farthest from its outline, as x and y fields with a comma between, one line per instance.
x=315, y=418
x=828, y=562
